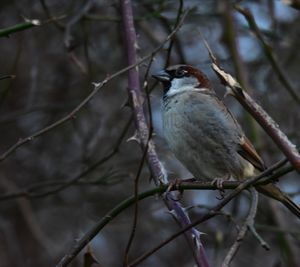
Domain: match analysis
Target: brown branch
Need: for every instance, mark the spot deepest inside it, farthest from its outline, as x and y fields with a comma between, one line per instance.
x=259, y=114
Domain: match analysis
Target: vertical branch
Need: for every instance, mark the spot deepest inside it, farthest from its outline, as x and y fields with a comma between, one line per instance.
x=179, y=13
x=230, y=39
x=156, y=168
x=135, y=95
x=269, y=54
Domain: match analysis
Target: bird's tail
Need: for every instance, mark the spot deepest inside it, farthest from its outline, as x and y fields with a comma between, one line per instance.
x=273, y=191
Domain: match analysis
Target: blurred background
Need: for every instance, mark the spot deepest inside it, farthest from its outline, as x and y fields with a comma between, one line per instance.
x=54, y=188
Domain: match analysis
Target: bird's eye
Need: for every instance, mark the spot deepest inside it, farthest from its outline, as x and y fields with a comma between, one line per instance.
x=180, y=73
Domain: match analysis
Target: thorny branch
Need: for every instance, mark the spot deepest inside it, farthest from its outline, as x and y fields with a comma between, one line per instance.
x=236, y=185
x=144, y=136
x=213, y=212
x=155, y=165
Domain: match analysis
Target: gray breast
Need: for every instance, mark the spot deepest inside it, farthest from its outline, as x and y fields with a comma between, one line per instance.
x=202, y=136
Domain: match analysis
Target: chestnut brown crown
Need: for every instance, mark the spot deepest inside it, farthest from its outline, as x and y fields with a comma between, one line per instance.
x=178, y=77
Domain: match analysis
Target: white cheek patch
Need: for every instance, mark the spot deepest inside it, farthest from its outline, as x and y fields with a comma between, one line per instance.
x=179, y=85
x=183, y=85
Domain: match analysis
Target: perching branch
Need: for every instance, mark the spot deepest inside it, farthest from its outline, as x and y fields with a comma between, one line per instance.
x=236, y=185
x=213, y=212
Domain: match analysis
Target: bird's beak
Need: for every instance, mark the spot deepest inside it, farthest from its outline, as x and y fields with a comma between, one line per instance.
x=162, y=76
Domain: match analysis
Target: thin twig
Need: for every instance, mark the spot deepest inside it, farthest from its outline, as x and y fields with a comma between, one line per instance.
x=33, y=191
x=269, y=54
x=27, y=25
x=7, y=77
x=136, y=195
x=169, y=50
x=68, y=38
x=97, y=87
x=58, y=25
x=261, y=241
x=243, y=230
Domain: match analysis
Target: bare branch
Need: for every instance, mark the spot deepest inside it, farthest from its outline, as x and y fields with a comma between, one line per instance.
x=269, y=54
x=259, y=114
x=213, y=212
x=97, y=87
x=243, y=230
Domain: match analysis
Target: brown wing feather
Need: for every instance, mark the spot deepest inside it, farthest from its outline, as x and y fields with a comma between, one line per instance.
x=246, y=149
x=248, y=152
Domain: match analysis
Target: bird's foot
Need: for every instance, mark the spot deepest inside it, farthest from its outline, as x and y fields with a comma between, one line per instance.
x=218, y=182
x=175, y=185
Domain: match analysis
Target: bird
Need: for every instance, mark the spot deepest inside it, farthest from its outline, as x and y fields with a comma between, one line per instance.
x=205, y=136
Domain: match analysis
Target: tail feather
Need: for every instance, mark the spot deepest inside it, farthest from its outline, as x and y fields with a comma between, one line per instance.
x=274, y=192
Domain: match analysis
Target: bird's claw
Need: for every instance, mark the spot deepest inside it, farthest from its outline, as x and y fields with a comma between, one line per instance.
x=218, y=182
x=175, y=186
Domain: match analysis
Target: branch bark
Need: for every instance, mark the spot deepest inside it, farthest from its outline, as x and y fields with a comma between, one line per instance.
x=259, y=114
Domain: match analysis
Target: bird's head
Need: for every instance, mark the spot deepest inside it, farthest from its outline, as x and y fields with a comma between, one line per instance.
x=180, y=78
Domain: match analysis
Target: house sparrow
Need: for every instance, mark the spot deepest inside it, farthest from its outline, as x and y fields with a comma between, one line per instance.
x=204, y=135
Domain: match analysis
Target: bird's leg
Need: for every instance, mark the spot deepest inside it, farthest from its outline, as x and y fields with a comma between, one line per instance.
x=177, y=182
x=174, y=184
x=218, y=182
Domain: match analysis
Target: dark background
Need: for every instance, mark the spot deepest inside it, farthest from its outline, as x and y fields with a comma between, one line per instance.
x=54, y=67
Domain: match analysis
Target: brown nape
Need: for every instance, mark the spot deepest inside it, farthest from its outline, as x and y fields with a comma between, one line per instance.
x=202, y=78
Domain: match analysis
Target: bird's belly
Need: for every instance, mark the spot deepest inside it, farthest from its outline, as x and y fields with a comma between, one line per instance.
x=200, y=151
